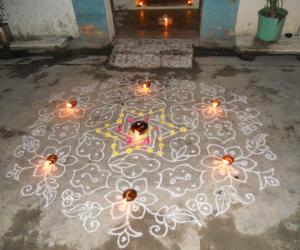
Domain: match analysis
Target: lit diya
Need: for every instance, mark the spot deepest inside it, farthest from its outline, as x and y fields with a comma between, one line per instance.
x=51, y=159
x=71, y=104
x=146, y=85
x=138, y=130
x=165, y=20
x=129, y=194
x=215, y=103
x=228, y=160
x=190, y=2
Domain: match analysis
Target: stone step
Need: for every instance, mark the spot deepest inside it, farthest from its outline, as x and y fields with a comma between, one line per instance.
x=152, y=53
x=44, y=44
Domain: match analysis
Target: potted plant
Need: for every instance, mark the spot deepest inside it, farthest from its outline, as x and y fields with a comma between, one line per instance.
x=271, y=21
x=5, y=34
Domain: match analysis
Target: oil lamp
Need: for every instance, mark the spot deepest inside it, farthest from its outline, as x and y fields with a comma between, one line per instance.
x=228, y=160
x=140, y=3
x=51, y=159
x=146, y=85
x=226, y=166
x=71, y=104
x=138, y=130
x=190, y=2
x=165, y=20
x=215, y=103
x=129, y=195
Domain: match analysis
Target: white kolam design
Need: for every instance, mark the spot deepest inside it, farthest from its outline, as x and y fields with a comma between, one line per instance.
x=64, y=131
x=178, y=172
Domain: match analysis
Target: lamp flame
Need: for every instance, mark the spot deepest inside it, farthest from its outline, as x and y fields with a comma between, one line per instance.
x=144, y=87
x=71, y=104
x=47, y=165
x=215, y=103
x=227, y=166
x=140, y=3
x=51, y=160
x=136, y=134
x=166, y=20
x=122, y=205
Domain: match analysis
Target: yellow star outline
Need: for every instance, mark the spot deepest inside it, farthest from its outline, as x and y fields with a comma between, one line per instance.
x=157, y=149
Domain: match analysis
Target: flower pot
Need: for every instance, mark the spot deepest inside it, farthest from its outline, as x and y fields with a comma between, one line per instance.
x=269, y=28
x=5, y=34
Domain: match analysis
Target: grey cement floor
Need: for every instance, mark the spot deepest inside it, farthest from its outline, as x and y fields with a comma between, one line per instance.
x=184, y=200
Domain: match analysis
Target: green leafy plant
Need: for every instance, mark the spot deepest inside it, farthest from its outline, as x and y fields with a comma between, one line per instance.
x=274, y=9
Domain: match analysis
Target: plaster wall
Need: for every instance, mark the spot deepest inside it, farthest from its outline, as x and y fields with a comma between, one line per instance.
x=92, y=18
x=218, y=20
x=38, y=18
x=247, y=16
x=130, y=5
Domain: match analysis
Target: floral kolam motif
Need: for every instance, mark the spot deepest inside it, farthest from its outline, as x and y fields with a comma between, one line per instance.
x=177, y=173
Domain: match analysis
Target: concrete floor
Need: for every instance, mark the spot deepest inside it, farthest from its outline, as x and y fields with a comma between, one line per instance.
x=187, y=202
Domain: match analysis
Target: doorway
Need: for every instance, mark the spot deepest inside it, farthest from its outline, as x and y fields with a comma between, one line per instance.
x=157, y=19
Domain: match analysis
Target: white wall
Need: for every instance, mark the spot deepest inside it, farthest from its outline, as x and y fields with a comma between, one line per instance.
x=41, y=18
x=130, y=4
x=247, y=16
